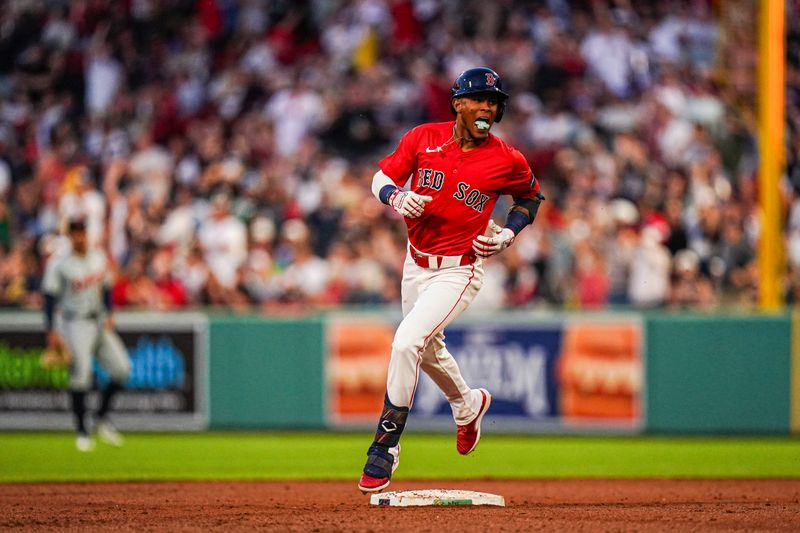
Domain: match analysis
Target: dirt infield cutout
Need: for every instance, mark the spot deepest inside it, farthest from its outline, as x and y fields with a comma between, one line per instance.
x=588, y=505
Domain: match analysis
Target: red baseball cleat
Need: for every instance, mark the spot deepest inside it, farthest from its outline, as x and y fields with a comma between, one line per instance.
x=386, y=464
x=469, y=434
x=368, y=483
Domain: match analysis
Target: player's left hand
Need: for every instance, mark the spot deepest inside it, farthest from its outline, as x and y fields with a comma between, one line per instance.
x=110, y=323
x=498, y=240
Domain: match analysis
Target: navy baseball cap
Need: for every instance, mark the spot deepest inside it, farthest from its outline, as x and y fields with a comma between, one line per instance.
x=77, y=224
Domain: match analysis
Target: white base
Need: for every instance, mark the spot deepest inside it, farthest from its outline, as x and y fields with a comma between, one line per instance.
x=445, y=497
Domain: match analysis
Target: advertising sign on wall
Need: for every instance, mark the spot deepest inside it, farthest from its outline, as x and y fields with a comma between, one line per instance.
x=544, y=375
x=165, y=389
x=358, y=353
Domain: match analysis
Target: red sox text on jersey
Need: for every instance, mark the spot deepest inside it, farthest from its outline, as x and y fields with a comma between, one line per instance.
x=464, y=185
x=434, y=179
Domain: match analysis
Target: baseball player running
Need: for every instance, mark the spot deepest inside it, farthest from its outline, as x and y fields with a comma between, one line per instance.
x=455, y=173
x=78, y=283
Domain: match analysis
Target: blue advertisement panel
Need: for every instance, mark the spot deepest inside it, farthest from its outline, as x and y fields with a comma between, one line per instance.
x=516, y=365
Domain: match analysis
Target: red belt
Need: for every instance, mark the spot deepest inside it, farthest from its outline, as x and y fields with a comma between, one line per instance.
x=440, y=261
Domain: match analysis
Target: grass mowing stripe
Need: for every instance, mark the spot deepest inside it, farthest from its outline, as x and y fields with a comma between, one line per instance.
x=318, y=455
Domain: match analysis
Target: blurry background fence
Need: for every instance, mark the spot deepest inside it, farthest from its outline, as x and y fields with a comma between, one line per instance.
x=562, y=372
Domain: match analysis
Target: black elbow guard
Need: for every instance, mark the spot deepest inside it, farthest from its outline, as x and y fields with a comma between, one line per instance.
x=531, y=205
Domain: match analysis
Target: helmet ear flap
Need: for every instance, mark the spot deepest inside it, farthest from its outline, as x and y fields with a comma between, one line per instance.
x=501, y=108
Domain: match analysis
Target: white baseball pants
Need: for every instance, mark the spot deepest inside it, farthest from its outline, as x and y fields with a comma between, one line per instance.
x=85, y=337
x=432, y=299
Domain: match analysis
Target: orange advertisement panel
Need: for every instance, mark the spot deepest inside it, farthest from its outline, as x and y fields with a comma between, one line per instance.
x=599, y=371
x=358, y=358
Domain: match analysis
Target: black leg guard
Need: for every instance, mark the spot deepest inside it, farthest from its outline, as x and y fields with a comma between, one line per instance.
x=393, y=420
x=391, y=425
x=107, y=396
x=79, y=410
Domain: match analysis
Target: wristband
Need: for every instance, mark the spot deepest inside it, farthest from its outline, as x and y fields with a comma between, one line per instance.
x=516, y=221
x=385, y=192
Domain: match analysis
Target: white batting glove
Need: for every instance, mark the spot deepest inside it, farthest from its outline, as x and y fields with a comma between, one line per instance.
x=500, y=239
x=408, y=203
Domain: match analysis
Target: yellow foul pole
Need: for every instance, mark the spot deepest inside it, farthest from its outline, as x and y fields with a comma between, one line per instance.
x=770, y=141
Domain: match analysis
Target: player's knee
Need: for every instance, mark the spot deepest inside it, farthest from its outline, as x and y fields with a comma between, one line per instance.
x=120, y=377
x=406, y=345
x=121, y=372
x=80, y=382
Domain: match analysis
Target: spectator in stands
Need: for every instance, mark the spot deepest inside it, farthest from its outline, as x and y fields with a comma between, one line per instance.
x=150, y=169
x=306, y=277
x=259, y=272
x=650, y=270
x=223, y=240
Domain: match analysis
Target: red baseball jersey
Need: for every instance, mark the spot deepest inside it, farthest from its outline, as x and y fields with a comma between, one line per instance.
x=464, y=185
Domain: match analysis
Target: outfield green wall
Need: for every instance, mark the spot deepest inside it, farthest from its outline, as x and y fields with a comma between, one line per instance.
x=717, y=374
x=266, y=373
x=704, y=373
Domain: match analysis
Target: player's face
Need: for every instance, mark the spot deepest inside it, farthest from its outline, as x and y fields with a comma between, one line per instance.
x=78, y=238
x=477, y=113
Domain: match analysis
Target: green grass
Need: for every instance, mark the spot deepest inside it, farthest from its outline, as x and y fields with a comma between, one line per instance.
x=276, y=455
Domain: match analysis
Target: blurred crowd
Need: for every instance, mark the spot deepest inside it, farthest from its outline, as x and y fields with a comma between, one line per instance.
x=222, y=150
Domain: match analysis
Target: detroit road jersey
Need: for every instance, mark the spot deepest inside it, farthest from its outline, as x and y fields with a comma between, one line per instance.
x=78, y=282
x=464, y=185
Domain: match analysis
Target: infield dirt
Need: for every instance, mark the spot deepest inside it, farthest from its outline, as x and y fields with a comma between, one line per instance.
x=562, y=505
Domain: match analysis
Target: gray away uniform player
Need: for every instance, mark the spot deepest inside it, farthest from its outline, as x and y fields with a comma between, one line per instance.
x=78, y=284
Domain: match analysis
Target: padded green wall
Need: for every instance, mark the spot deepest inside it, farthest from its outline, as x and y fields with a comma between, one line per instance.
x=718, y=374
x=266, y=373
x=704, y=374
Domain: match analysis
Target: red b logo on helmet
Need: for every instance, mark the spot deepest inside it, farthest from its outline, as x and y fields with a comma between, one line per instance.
x=490, y=79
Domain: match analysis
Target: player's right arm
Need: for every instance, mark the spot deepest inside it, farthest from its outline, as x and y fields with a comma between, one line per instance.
x=394, y=172
x=407, y=203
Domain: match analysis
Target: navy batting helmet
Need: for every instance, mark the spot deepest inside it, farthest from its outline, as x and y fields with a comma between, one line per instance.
x=480, y=80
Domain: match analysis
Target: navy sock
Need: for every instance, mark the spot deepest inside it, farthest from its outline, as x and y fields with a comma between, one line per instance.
x=105, y=400
x=79, y=409
x=379, y=462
